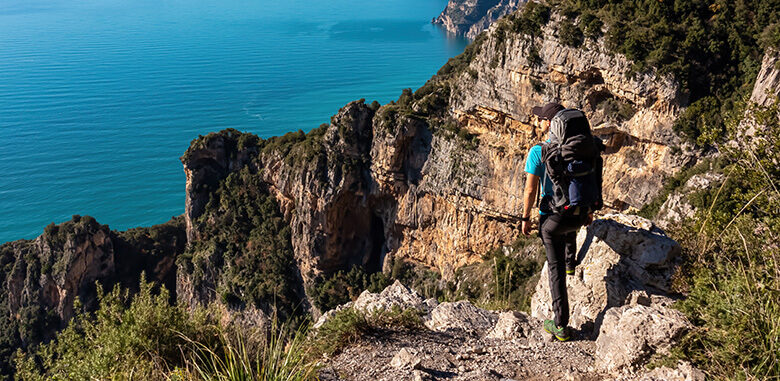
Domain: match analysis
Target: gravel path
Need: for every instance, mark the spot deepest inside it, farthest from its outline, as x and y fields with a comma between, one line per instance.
x=427, y=355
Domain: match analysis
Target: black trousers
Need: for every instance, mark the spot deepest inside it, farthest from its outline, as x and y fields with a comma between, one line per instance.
x=559, y=236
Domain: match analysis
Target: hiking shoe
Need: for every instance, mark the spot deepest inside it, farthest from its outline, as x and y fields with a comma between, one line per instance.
x=560, y=333
x=570, y=268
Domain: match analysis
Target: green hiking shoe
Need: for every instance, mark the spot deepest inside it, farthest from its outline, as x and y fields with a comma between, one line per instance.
x=560, y=333
x=570, y=268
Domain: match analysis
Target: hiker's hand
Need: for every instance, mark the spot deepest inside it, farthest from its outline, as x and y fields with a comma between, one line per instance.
x=526, y=228
x=588, y=219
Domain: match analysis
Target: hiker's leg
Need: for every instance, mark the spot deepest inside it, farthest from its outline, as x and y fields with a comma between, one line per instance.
x=571, y=248
x=555, y=246
x=555, y=231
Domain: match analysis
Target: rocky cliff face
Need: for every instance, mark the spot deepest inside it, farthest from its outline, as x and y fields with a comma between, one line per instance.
x=437, y=178
x=469, y=18
x=41, y=278
x=513, y=73
x=767, y=87
x=52, y=270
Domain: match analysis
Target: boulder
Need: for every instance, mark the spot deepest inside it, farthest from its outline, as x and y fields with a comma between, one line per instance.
x=406, y=358
x=618, y=254
x=462, y=316
x=511, y=325
x=632, y=333
x=394, y=295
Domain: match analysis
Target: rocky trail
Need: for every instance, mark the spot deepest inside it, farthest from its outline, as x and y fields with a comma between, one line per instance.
x=621, y=318
x=463, y=355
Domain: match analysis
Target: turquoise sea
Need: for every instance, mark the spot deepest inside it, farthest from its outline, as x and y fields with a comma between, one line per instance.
x=99, y=98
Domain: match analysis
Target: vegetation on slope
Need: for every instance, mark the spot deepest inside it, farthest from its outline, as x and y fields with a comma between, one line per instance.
x=245, y=252
x=714, y=48
x=144, y=337
x=732, y=271
x=135, y=250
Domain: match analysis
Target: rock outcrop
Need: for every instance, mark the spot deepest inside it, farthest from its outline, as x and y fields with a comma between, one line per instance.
x=618, y=254
x=632, y=333
x=469, y=18
x=55, y=268
x=767, y=87
x=40, y=279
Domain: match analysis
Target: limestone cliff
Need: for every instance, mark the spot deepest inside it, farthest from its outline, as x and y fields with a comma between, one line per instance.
x=52, y=270
x=437, y=177
x=767, y=87
x=41, y=278
x=469, y=18
x=513, y=72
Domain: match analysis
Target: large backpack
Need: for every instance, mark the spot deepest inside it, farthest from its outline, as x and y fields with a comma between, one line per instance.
x=572, y=160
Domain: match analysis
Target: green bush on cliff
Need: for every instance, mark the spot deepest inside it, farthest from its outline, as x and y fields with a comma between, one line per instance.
x=138, y=337
x=570, y=34
x=297, y=148
x=531, y=19
x=343, y=286
x=246, y=247
x=234, y=142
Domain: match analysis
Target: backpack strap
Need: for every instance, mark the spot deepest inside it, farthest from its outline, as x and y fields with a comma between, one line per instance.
x=541, y=182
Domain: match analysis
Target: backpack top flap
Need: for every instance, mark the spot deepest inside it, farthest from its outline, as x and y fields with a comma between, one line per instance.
x=567, y=123
x=571, y=130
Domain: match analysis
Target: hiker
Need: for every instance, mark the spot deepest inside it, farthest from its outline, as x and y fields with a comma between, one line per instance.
x=568, y=169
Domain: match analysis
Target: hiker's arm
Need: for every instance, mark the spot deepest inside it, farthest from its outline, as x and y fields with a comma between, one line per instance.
x=529, y=198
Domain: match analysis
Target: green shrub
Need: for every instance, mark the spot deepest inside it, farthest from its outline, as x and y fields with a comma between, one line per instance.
x=531, y=19
x=733, y=257
x=283, y=354
x=127, y=338
x=344, y=286
x=570, y=34
x=616, y=110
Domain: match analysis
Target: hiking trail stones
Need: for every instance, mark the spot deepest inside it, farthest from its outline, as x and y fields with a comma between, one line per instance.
x=625, y=276
x=630, y=334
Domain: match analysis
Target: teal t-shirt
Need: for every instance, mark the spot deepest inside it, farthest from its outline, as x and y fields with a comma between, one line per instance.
x=535, y=166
